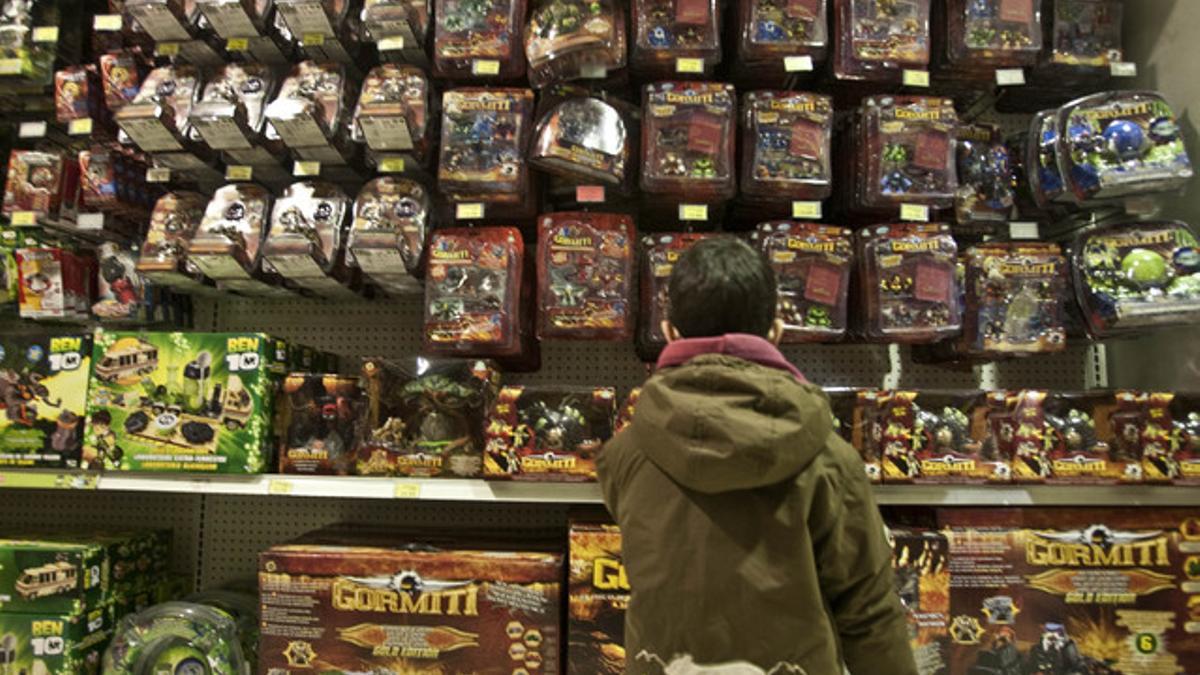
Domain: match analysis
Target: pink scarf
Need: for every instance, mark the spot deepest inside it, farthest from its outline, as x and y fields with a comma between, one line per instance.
x=740, y=345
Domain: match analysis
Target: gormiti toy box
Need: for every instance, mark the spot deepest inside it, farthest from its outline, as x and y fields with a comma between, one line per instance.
x=196, y=402
x=598, y=595
x=54, y=644
x=52, y=577
x=921, y=565
x=405, y=607
x=43, y=392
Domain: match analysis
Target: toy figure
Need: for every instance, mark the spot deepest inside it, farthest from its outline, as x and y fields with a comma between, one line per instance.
x=1001, y=657
x=687, y=147
x=548, y=435
x=905, y=146
x=484, y=133
x=1056, y=654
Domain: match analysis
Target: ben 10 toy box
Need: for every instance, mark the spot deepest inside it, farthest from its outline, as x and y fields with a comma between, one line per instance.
x=548, y=434
x=598, y=595
x=921, y=566
x=408, y=609
x=43, y=392
x=52, y=577
x=197, y=402
x=54, y=644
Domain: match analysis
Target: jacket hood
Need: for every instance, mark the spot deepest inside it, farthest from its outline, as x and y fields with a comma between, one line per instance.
x=722, y=423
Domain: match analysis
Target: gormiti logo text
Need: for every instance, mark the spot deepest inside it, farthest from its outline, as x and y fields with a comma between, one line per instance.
x=900, y=245
x=487, y=103
x=798, y=244
x=548, y=463
x=608, y=574
x=60, y=345
x=572, y=242
x=694, y=99
x=242, y=343
x=1097, y=546
x=906, y=114
x=405, y=593
x=419, y=461
x=1028, y=269
x=461, y=254
x=1138, y=238
x=1130, y=110
x=792, y=104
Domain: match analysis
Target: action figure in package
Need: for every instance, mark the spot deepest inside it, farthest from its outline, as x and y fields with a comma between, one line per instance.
x=906, y=152
x=387, y=236
x=229, y=115
x=989, y=34
x=173, y=222
x=38, y=181
x=668, y=31
x=573, y=39
x=120, y=288
x=121, y=79
x=54, y=283
x=877, y=39
x=157, y=118
x=1015, y=299
x=939, y=437
x=598, y=589
x=1087, y=34
x=658, y=256
x=310, y=110
x=688, y=140
x=1137, y=275
x=812, y=271
x=586, y=139
x=393, y=111
x=336, y=21
x=773, y=30
x=479, y=38
x=1041, y=161
x=1075, y=438
x=1170, y=438
x=429, y=423
x=43, y=392
x=548, y=434
x=473, y=292
x=77, y=94
x=113, y=181
x=911, y=292
x=858, y=419
x=306, y=243
x=1117, y=144
x=585, y=276
x=318, y=420
x=484, y=136
x=406, y=19
x=786, y=146
x=227, y=245
x=985, y=176
x=165, y=20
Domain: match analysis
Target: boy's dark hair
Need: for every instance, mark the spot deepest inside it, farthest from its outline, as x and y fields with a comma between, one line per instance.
x=721, y=285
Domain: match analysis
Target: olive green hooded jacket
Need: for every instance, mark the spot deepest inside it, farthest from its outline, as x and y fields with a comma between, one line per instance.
x=749, y=530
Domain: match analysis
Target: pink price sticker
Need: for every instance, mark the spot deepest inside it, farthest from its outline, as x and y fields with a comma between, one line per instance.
x=823, y=284
x=589, y=194
x=932, y=283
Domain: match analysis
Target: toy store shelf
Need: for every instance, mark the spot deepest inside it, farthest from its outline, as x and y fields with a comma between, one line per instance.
x=1036, y=495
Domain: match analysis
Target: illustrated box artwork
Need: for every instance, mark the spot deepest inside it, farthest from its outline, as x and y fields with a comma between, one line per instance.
x=921, y=565
x=43, y=392
x=548, y=434
x=52, y=577
x=54, y=644
x=598, y=595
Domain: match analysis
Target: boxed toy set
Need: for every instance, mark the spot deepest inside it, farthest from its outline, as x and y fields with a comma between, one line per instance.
x=393, y=111
x=122, y=295
x=1015, y=299
x=786, y=138
x=982, y=35
x=52, y=577
x=475, y=39
x=658, y=256
x=306, y=244
x=921, y=567
x=309, y=115
x=905, y=153
x=812, y=272
x=770, y=33
x=1084, y=40
x=574, y=39
x=195, y=402
x=485, y=133
x=597, y=597
x=1170, y=438
x=392, y=219
x=939, y=437
x=687, y=140
x=318, y=419
x=668, y=32
x=164, y=257
x=157, y=119
x=857, y=420
x=585, y=272
x=41, y=182
x=229, y=114
x=55, y=643
x=548, y=433
x=909, y=284
x=43, y=392
x=877, y=39
x=55, y=283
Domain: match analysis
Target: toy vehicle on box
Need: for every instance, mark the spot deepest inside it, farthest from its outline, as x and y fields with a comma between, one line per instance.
x=985, y=176
x=1088, y=438
x=157, y=118
x=586, y=139
x=548, y=434
x=478, y=38
x=877, y=39
x=911, y=292
x=52, y=577
x=585, y=276
x=229, y=115
x=173, y=223
x=666, y=31
x=393, y=111
x=319, y=419
x=786, y=138
x=772, y=31
x=227, y=246
x=196, y=402
x=429, y=422
x=812, y=269
x=906, y=152
x=658, y=256
x=597, y=596
x=43, y=393
x=939, y=437
x=688, y=140
x=484, y=136
x=392, y=217
x=574, y=39
x=988, y=34
x=306, y=244
x=1015, y=299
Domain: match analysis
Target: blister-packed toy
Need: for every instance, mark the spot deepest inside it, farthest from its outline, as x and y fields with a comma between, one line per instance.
x=573, y=39
x=393, y=111
x=985, y=176
x=39, y=181
x=113, y=182
x=120, y=77
x=586, y=139
x=473, y=292
x=1041, y=161
x=426, y=422
x=237, y=18
x=911, y=292
x=310, y=109
x=1117, y=144
x=228, y=244
x=905, y=152
x=939, y=437
x=77, y=94
x=1085, y=34
x=387, y=235
x=773, y=30
x=786, y=140
x=484, y=136
x=877, y=39
x=229, y=115
x=666, y=31
x=548, y=434
x=585, y=276
x=1090, y=438
x=812, y=272
x=1137, y=275
x=1015, y=299
x=157, y=118
x=173, y=222
x=988, y=34
x=688, y=140
x=322, y=30
x=121, y=291
x=54, y=283
x=177, y=636
x=475, y=39
x=406, y=19
x=165, y=20
x=318, y=419
x=857, y=418
x=659, y=253
x=306, y=243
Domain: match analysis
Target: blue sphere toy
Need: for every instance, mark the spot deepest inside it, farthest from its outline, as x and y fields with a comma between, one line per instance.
x=659, y=37
x=1125, y=139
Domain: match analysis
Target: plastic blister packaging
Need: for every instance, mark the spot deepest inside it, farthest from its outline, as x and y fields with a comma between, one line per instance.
x=121, y=78
x=985, y=176
x=40, y=182
x=228, y=244
x=485, y=133
x=786, y=138
x=548, y=433
x=909, y=282
x=988, y=34
x=586, y=139
x=393, y=111
x=165, y=20
x=230, y=113
x=1015, y=299
x=906, y=152
x=877, y=39
x=179, y=637
x=585, y=274
x=310, y=109
x=688, y=140
x=574, y=39
x=668, y=30
x=1041, y=161
x=173, y=222
x=387, y=236
x=1085, y=34
x=306, y=243
x=475, y=39
x=157, y=118
x=773, y=30
x=78, y=94
x=812, y=266
x=659, y=253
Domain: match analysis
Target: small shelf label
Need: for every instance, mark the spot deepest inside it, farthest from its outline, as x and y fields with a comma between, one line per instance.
x=313, y=40
x=32, y=130
x=589, y=194
x=90, y=221
x=23, y=218
x=49, y=481
x=166, y=49
x=239, y=172
x=107, y=22
x=693, y=212
x=407, y=491
x=80, y=127
x=811, y=210
x=798, y=64
x=304, y=169
x=1020, y=229
x=1123, y=69
x=469, y=211
x=279, y=487
x=158, y=174
x=392, y=43
x=10, y=66
x=1010, y=77
x=917, y=213
x=239, y=44
x=485, y=67
x=391, y=165
x=689, y=65
x=916, y=78
x=45, y=34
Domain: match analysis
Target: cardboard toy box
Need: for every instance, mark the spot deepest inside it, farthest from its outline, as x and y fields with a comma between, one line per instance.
x=195, y=402
x=598, y=595
x=408, y=609
x=43, y=393
x=1079, y=438
x=856, y=419
x=319, y=418
x=939, y=437
x=921, y=565
x=52, y=577
x=136, y=559
x=1170, y=438
x=54, y=644
x=548, y=433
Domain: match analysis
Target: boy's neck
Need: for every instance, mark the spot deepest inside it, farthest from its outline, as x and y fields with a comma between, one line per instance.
x=739, y=345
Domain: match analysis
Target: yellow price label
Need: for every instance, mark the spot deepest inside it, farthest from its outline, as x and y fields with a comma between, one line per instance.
x=239, y=172
x=302, y=169
x=1123, y=69
x=10, y=66
x=23, y=218
x=407, y=491
x=485, y=67
x=313, y=40
x=158, y=174
x=914, y=213
x=693, y=211
x=471, y=211
x=806, y=210
x=392, y=165
x=391, y=43
x=45, y=34
x=80, y=127
x=279, y=487
x=798, y=64
x=166, y=49
x=49, y=481
x=237, y=44
x=916, y=78
x=689, y=65
x=107, y=22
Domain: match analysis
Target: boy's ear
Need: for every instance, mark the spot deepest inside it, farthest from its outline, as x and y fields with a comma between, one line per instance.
x=775, y=335
x=671, y=333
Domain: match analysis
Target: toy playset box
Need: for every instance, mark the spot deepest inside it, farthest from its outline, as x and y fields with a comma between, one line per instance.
x=318, y=419
x=585, y=270
x=687, y=140
x=392, y=218
x=52, y=577
x=193, y=402
x=812, y=269
x=574, y=39
x=786, y=139
x=876, y=39
x=921, y=567
x=1015, y=297
x=939, y=437
x=905, y=153
x=598, y=595
x=548, y=434
x=659, y=254
x=1170, y=438
x=856, y=418
x=43, y=392
x=909, y=283
x=55, y=643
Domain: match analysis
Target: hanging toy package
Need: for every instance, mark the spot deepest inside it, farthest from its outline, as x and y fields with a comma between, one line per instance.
x=812, y=265
x=585, y=276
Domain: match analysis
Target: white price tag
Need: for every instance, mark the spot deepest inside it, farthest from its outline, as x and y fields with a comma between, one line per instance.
x=1023, y=230
x=90, y=221
x=1123, y=69
x=158, y=174
x=32, y=130
x=1010, y=77
x=798, y=64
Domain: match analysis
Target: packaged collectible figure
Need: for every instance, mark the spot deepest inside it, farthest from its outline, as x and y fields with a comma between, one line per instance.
x=1041, y=161
x=857, y=418
x=1075, y=438
x=939, y=437
x=197, y=402
x=406, y=19
x=1137, y=275
x=173, y=222
x=473, y=292
x=585, y=276
x=310, y=110
x=658, y=255
x=484, y=136
x=121, y=291
x=318, y=420
x=113, y=181
x=1117, y=144
x=989, y=34
x=478, y=38
x=229, y=115
x=429, y=422
x=1085, y=35
x=786, y=143
x=548, y=434
x=812, y=270
x=921, y=567
x=598, y=594
x=905, y=152
x=909, y=283
x=237, y=18
x=669, y=33
x=1170, y=438
x=43, y=392
x=586, y=139
x=387, y=236
x=164, y=20
x=121, y=78
x=1015, y=299
x=393, y=111
x=573, y=39
x=307, y=241
x=37, y=181
x=688, y=140
x=877, y=39
x=226, y=246
x=985, y=176
x=771, y=31
x=77, y=94
x=337, y=22
x=157, y=118
x=54, y=283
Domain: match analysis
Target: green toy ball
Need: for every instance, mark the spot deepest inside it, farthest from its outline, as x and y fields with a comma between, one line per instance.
x=1144, y=266
x=1185, y=286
